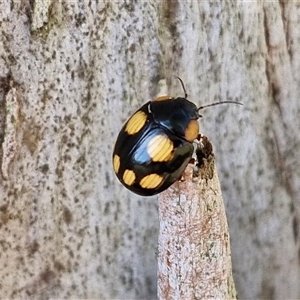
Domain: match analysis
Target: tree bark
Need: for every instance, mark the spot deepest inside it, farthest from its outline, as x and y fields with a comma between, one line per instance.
x=71, y=72
x=194, y=258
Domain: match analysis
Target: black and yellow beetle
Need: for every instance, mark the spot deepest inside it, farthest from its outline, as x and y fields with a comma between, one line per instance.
x=156, y=144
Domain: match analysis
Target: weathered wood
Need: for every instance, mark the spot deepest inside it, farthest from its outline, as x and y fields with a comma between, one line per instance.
x=194, y=258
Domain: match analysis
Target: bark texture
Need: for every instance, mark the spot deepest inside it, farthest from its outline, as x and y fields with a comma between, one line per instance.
x=194, y=259
x=71, y=72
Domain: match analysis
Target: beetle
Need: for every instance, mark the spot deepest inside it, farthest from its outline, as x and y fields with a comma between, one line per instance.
x=155, y=145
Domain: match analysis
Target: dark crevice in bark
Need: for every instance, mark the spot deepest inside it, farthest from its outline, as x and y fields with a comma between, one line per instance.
x=274, y=88
x=172, y=48
x=5, y=85
x=286, y=25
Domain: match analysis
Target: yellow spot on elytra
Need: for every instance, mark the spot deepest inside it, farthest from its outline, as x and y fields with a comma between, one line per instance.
x=163, y=98
x=136, y=122
x=129, y=177
x=116, y=163
x=151, y=181
x=160, y=148
x=192, y=130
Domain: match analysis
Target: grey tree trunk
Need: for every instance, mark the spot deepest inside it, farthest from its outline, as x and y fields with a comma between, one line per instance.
x=71, y=72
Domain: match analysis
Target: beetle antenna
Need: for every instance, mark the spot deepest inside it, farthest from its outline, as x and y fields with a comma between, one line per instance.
x=217, y=103
x=185, y=93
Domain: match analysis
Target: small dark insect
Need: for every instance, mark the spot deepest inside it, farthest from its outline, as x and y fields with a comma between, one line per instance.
x=156, y=143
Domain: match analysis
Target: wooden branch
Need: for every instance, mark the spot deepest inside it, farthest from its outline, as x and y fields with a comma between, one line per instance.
x=194, y=258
